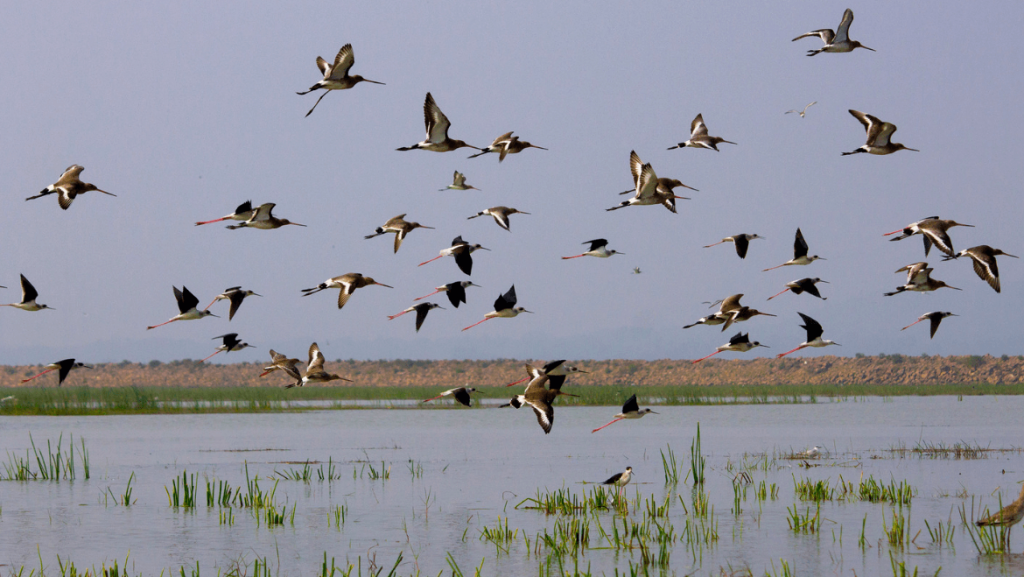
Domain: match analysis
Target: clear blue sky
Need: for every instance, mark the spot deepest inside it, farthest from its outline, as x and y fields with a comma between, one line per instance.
x=184, y=110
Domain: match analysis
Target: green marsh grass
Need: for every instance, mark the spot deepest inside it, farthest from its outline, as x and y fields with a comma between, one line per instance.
x=219, y=493
x=697, y=461
x=55, y=464
x=874, y=491
x=565, y=502
x=804, y=523
x=943, y=533
x=124, y=499
x=182, y=492
x=339, y=513
x=897, y=533
x=146, y=400
x=669, y=465
x=988, y=539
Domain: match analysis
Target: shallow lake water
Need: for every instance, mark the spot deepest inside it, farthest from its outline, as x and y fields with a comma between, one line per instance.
x=453, y=473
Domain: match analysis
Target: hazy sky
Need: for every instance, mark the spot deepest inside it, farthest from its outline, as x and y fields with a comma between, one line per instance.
x=185, y=110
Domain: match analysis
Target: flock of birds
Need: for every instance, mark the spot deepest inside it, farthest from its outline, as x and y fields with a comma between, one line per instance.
x=545, y=383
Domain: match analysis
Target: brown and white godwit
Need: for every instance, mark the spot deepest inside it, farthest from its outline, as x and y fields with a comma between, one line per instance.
x=741, y=314
x=336, y=75
x=540, y=400
x=437, y=123
x=455, y=291
x=804, y=285
x=315, y=372
x=243, y=212
x=399, y=227
x=500, y=215
x=935, y=318
x=803, y=112
x=462, y=251
x=933, y=230
x=556, y=371
x=348, y=283
x=838, y=41
x=421, y=313
x=742, y=242
x=279, y=362
x=984, y=259
x=507, y=144
x=230, y=343
x=68, y=186
x=64, y=367
x=504, y=308
x=458, y=183
x=28, y=298
x=699, y=137
x=647, y=187
x=235, y=295
x=919, y=280
x=739, y=343
x=598, y=248
x=814, y=332
x=187, y=303
x=879, y=136
x=460, y=394
x=630, y=410
x=799, y=253
x=263, y=219
x=727, y=306
x=1008, y=516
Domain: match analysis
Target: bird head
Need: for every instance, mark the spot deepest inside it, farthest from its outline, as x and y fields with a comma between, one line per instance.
x=522, y=310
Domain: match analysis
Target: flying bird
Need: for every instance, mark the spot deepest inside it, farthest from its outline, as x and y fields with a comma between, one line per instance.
x=458, y=183
x=28, y=298
x=933, y=230
x=315, y=372
x=556, y=371
x=814, y=332
x=281, y=362
x=507, y=144
x=801, y=112
x=539, y=399
x=348, y=283
x=630, y=410
x=263, y=219
x=460, y=394
x=500, y=215
x=437, y=123
x=455, y=291
x=934, y=317
x=231, y=343
x=984, y=260
x=243, y=212
x=739, y=343
x=879, y=136
x=648, y=188
x=838, y=41
x=799, y=253
x=336, y=75
x=462, y=251
x=187, y=303
x=729, y=305
x=399, y=227
x=598, y=248
x=235, y=295
x=804, y=285
x=68, y=186
x=742, y=242
x=504, y=308
x=421, y=313
x=64, y=367
x=919, y=280
x=699, y=137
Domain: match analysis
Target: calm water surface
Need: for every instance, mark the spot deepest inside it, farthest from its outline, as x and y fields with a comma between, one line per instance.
x=478, y=464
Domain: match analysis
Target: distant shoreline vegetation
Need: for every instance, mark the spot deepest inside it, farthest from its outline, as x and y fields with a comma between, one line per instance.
x=190, y=387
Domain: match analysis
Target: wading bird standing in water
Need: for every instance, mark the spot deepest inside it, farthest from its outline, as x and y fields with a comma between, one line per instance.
x=1008, y=516
x=630, y=410
x=336, y=75
x=64, y=367
x=620, y=480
